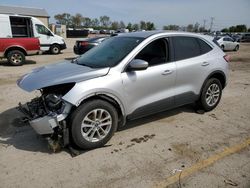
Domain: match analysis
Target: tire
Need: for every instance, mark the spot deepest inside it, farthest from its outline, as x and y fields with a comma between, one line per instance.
x=16, y=58
x=55, y=49
x=95, y=132
x=213, y=85
x=223, y=47
x=236, y=48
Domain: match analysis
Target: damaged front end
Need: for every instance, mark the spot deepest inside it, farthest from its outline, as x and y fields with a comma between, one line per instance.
x=47, y=114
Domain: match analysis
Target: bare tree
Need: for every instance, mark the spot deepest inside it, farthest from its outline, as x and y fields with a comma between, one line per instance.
x=115, y=25
x=95, y=22
x=86, y=21
x=105, y=21
x=77, y=20
x=122, y=25
x=190, y=27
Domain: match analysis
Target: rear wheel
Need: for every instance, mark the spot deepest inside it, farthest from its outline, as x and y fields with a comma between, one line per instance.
x=55, y=49
x=93, y=124
x=16, y=57
x=211, y=94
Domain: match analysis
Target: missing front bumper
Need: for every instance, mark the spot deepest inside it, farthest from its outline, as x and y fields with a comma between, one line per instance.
x=44, y=125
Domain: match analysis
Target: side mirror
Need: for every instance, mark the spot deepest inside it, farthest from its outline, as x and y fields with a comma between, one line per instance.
x=49, y=33
x=137, y=64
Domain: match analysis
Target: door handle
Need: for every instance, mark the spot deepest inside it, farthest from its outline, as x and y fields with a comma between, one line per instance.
x=205, y=64
x=166, y=72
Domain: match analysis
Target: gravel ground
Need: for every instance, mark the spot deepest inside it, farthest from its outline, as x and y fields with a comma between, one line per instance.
x=144, y=153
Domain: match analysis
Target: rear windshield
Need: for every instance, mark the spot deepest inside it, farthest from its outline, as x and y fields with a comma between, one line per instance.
x=109, y=53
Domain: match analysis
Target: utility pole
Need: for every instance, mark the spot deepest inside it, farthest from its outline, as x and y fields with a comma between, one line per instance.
x=211, y=24
x=204, y=24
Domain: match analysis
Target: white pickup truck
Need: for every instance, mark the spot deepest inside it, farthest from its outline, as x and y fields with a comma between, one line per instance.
x=16, y=26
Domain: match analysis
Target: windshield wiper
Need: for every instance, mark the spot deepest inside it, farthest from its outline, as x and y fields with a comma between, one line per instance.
x=77, y=62
x=74, y=61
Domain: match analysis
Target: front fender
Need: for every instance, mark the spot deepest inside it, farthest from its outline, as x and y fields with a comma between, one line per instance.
x=96, y=87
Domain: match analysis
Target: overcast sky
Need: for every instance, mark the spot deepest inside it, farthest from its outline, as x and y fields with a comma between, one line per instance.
x=161, y=12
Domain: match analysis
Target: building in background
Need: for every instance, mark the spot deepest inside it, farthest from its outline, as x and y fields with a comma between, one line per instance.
x=39, y=13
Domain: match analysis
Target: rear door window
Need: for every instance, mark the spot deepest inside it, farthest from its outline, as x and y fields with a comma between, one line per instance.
x=185, y=47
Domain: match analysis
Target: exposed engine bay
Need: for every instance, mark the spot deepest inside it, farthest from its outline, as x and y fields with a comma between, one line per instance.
x=42, y=106
x=47, y=114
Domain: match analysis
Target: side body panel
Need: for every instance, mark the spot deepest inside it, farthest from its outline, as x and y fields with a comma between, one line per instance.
x=145, y=88
x=30, y=45
x=5, y=29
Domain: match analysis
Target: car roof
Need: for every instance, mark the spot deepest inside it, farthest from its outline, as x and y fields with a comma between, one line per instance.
x=146, y=34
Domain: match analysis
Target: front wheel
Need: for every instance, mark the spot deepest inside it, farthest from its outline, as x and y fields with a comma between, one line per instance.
x=211, y=94
x=93, y=124
x=55, y=49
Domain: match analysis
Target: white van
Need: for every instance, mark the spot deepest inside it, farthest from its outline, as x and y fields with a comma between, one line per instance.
x=13, y=26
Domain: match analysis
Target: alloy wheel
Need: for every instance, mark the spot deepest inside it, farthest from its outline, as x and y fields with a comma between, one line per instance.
x=212, y=94
x=96, y=125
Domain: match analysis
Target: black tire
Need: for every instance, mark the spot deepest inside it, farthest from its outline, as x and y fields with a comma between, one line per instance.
x=222, y=47
x=16, y=58
x=203, y=104
x=82, y=112
x=55, y=49
x=236, y=48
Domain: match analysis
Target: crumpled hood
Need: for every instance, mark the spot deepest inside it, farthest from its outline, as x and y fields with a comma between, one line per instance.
x=59, y=73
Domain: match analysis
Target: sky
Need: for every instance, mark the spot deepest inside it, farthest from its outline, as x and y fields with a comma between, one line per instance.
x=161, y=12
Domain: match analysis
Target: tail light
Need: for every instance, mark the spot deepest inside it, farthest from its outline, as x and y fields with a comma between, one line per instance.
x=84, y=43
x=227, y=58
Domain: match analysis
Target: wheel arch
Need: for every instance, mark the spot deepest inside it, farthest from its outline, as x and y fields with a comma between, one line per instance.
x=110, y=99
x=12, y=48
x=216, y=74
x=55, y=44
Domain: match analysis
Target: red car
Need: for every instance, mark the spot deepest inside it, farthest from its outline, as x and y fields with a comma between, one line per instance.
x=15, y=49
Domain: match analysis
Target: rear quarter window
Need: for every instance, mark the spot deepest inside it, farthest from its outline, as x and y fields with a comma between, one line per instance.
x=185, y=47
x=204, y=47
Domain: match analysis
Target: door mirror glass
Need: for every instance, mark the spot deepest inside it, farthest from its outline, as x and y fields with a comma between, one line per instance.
x=137, y=64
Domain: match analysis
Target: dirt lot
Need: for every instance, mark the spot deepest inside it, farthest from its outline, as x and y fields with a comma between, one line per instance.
x=177, y=148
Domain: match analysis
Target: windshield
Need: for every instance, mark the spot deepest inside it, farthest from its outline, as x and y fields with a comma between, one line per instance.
x=109, y=53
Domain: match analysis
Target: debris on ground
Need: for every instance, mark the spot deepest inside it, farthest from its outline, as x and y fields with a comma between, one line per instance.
x=230, y=182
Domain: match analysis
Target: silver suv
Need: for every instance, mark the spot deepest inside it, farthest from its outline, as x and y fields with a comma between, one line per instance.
x=126, y=77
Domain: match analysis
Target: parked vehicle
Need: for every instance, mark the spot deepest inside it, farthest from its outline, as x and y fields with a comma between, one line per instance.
x=236, y=37
x=82, y=46
x=126, y=77
x=122, y=30
x=245, y=37
x=227, y=43
x=15, y=49
x=16, y=26
x=103, y=31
